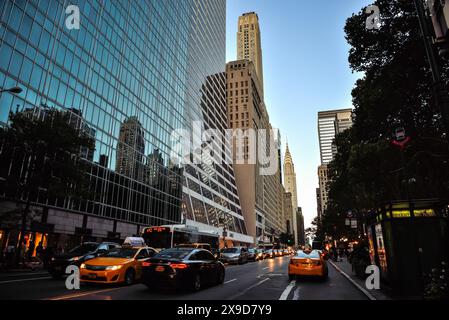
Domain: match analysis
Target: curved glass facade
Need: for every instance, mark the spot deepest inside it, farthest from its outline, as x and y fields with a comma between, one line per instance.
x=133, y=72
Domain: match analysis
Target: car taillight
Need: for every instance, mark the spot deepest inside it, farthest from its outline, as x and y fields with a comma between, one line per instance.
x=146, y=264
x=179, y=265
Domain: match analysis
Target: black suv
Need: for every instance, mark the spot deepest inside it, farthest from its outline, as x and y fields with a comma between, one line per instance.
x=76, y=256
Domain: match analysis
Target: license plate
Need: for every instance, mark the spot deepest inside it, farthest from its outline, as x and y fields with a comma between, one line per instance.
x=92, y=276
x=160, y=269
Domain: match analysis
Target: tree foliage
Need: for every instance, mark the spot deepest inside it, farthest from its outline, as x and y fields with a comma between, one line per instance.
x=41, y=157
x=395, y=91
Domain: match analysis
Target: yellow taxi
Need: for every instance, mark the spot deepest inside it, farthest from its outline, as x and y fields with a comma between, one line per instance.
x=307, y=263
x=120, y=265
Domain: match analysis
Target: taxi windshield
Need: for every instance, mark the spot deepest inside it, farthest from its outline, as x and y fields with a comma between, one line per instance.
x=127, y=253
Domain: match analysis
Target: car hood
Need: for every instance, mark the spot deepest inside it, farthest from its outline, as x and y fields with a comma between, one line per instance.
x=105, y=261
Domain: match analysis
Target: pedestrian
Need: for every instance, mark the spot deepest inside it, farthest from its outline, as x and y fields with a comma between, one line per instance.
x=10, y=253
x=30, y=250
x=39, y=251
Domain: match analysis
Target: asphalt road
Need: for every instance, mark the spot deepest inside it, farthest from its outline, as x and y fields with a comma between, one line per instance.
x=262, y=280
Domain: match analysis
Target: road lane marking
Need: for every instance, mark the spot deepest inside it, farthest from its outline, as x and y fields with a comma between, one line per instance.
x=369, y=295
x=296, y=294
x=230, y=281
x=247, y=289
x=287, y=290
x=79, y=295
x=23, y=280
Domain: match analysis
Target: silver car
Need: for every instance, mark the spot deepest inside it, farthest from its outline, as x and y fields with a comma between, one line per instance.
x=237, y=255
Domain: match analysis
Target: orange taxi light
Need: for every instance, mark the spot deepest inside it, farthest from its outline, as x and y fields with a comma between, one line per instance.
x=179, y=265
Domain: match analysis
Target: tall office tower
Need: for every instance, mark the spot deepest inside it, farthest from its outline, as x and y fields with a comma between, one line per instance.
x=323, y=179
x=330, y=123
x=318, y=203
x=135, y=78
x=301, y=240
x=247, y=113
x=130, y=149
x=249, y=45
x=290, y=186
x=288, y=212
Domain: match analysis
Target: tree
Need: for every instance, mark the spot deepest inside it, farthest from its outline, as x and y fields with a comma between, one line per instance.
x=40, y=158
x=395, y=91
x=286, y=238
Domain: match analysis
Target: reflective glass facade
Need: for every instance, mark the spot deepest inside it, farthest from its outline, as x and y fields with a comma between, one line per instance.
x=135, y=71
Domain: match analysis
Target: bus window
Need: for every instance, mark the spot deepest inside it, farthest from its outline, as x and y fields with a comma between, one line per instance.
x=158, y=239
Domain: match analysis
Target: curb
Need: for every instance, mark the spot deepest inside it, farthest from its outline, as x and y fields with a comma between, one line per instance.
x=365, y=292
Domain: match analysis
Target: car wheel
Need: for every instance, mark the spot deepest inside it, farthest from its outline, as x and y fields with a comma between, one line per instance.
x=196, y=286
x=130, y=277
x=221, y=277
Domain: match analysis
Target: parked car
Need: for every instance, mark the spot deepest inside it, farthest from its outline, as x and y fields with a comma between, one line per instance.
x=183, y=268
x=271, y=254
x=77, y=256
x=119, y=265
x=253, y=254
x=234, y=255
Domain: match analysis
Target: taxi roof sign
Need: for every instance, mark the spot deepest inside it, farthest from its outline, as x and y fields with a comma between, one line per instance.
x=134, y=241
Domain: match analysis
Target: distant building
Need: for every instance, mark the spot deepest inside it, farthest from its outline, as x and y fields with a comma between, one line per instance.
x=130, y=149
x=288, y=210
x=330, y=123
x=318, y=203
x=301, y=238
x=260, y=195
x=290, y=186
x=249, y=44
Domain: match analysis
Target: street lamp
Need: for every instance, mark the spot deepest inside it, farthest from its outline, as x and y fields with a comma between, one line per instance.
x=14, y=90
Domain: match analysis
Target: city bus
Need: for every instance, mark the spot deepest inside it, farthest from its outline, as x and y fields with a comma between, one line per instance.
x=170, y=236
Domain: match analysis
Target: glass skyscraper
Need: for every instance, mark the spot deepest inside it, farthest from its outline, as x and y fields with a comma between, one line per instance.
x=132, y=73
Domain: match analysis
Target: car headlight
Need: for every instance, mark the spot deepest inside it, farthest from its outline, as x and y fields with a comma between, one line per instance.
x=83, y=266
x=113, y=268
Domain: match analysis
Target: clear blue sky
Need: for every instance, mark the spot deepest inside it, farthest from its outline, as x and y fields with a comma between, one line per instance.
x=306, y=70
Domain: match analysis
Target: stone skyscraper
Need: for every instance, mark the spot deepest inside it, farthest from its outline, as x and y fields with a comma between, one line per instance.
x=290, y=186
x=249, y=45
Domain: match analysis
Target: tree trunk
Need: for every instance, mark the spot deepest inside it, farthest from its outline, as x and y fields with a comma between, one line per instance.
x=22, y=231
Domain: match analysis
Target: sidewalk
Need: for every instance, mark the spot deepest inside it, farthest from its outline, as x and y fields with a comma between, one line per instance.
x=29, y=268
x=345, y=268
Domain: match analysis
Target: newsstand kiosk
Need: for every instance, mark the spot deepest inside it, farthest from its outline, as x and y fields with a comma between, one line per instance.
x=407, y=239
